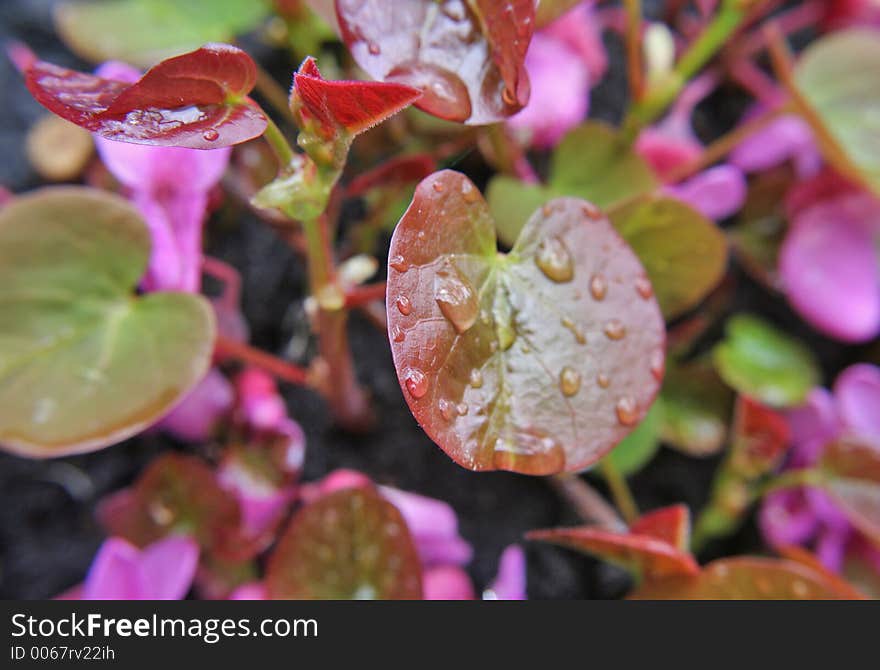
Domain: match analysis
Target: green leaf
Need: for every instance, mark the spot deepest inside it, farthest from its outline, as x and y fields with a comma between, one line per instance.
x=143, y=32
x=684, y=253
x=348, y=545
x=637, y=449
x=838, y=77
x=590, y=163
x=85, y=363
x=696, y=408
x=760, y=361
x=536, y=361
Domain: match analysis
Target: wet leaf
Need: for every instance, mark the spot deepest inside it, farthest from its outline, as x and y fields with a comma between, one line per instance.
x=760, y=361
x=800, y=555
x=696, y=407
x=838, y=77
x=684, y=253
x=743, y=578
x=550, y=10
x=176, y=494
x=348, y=545
x=536, y=361
x=85, y=363
x=852, y=471
x=590, y=163
x=466, y=55
x=637, y=449
x=760, y=439
x=671, y=524
x=197, y=100
x=142, y=32
x=640, y=551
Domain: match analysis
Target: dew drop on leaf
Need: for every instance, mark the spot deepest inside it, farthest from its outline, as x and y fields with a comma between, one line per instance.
x=476, y=378
x=658, y=365
x=398, y=263
x=456, y=298
x=404, y=306
x=602, y=380
x=569, y=381
x=528, y=451
x=416, y=383
x=644, y=288
x=211, y=135
x=615, y=330
x=627, y=414
x=398, y=334
x=598, y=287
x=555, y=261
x=447, y=409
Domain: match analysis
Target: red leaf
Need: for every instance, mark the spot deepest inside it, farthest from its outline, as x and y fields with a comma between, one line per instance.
x=643, y=555
x=760, y=438
x=197, y=100
x=354, y=106
x=670, y=524
x=800, y=555
x=466, y=55
x=397, y=171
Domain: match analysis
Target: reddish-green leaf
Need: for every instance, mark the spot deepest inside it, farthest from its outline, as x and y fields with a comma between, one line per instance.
x=351, y=544
x=349, y=106
x=537, y=361
x=743, y=578
x=760, y=438
x=852, y=471
x=800, y=555
x=696, y=408
x=655, y=546
x=176, y=494
x=197, y=100
x=467, y=56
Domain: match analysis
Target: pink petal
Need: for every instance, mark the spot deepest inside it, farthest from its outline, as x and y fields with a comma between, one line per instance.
x=831, y=545
x=259, y=403
x=446, y=582
x=115, y=573
x=828, y=265
x=510, y=583
x=716, y=193
x=857, y=393
x=666, y=154
x=250, y=591
x=813, y=425
x=195, y=418
x=581, y=32
x=786, y=518
x=787, y=138
x=168, y=567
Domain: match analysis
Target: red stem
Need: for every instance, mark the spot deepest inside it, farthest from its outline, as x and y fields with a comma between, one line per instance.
x=281, y=369
x=361, y=295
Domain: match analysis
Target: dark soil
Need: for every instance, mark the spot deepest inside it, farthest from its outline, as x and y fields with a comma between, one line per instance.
x=48, y=534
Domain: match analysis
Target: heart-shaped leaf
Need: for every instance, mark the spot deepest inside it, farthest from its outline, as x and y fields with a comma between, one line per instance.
x=84, y=363
x=142, y=32
x=852, y=471
x=537, y=361
x=466, y=55
x=348, y=545
x=591, y=162
x=838, y=79
x=350, y=107
x=696, y=407
x=637, y=449
x=759, y=361
x=684, y=253
x=176, y=494
x=651, y=549
x=743, y=578
x=197, y=100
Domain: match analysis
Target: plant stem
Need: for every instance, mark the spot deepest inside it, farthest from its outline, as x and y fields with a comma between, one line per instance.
x=789, y=480
x=730, y=17
x=361, y=295
x=283, y=370
x=633, y=36
x=589, y=505
x=623, y=497
x=278, y=142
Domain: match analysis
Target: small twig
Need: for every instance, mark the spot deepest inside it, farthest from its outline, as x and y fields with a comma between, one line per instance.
x=281, y=369
x=361, y=295
x=633, y=39
x=588, y=504
x=623, y=497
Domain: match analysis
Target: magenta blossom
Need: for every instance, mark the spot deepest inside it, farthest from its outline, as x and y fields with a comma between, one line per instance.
x=787, y=138
x=170, y=187
x=120, y=571
x=563, y=61
x=807, y=514
x=196, y=417
x=510, y=582
x=829, y=267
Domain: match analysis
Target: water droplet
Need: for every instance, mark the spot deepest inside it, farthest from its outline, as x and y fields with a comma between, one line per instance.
x=505, y=324
x=602, y=380
x=529, y=452
x=508, y=96
x=404, y=306
x=160, y=513
x=626, y=410
x=398, y=263
x=547, y=210
x=398, y=334
x=438, y=186
x=644, y=288
x=592, y=212
x=554, y=260
x=468, y=192
x=421, y=234
x=800, y=589
x=476, y=378
x=447, y=409
x=615, y=330
x=455, y=297
x=572, y=326
x=416, y=383
x=569, y=381
x=598, y=286
x=461, y=408
x=211, y=135
x=658, y=365
x=374, y=48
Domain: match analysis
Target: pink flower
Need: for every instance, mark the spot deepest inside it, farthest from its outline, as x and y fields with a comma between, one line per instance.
x=196, y=417
x=716, y=193
x=563, y=61
x=250, y=591
x=788, y=138
x=808, y=514
x=846, y=13
x=170, y=187
x=510, y=582
x=260, y=406
x=162, y=571
x=829, y=267
x=447, y=582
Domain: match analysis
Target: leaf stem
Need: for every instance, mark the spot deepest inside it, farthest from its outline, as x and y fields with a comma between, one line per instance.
x=620, y=491
x=789, y=480
x=586, y=501
x=278, y=142
x=279, y=368
x=632, y=36
x=361, y=295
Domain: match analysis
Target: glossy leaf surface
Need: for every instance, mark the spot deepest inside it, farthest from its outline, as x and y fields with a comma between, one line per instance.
x=537, y=361
x=352, y=544
x=743, y=578
x=197, y=100
x=839, y=78
x=671, y=524
x=466, y=55
x=142, y=32
x=760, y=438
x=758, y=360
x=84, y=363
x=637, y=449
x=853, y=480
